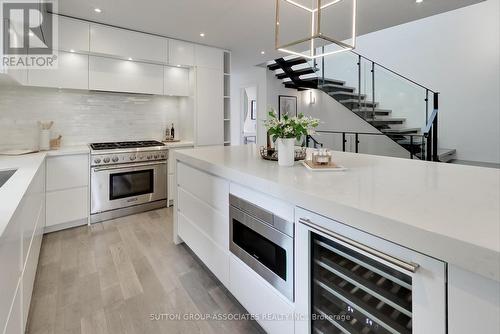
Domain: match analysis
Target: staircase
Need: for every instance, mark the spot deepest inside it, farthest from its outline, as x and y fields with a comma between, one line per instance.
x=297, y=73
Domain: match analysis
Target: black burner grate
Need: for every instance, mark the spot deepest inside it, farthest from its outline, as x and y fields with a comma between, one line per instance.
x=125, y=145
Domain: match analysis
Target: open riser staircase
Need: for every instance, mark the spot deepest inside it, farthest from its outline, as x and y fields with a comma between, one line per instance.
x=298, y=73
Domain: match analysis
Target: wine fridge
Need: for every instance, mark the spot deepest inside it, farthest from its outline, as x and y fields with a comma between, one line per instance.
x=352, y=282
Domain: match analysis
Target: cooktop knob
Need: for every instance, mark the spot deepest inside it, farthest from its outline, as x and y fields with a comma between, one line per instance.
x=106, y=160
x=156, y=156
x=115, y=159
x=149, y=157
x=133, y=157
x=97, y=160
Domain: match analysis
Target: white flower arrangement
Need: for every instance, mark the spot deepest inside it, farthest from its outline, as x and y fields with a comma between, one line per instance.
x=290, y=127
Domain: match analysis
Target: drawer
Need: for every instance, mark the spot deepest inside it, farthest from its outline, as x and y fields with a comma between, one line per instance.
x=66, y=206
x=67, y=171
x=208, y=188
x=210, y=221
x=258, y=297
x=212, y=255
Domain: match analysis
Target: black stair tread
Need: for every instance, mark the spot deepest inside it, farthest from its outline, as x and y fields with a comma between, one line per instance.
x=291, y=62
x=377, y=111
x=363, y=96
x=302, y=71
x=336, y=88
x=386, y=120
x=402, y=131
x=326, y=81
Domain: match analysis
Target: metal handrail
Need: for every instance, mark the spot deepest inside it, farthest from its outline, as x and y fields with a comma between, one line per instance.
x=392, y=71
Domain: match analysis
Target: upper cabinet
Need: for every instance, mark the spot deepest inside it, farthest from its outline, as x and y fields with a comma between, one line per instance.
x=208, y=57
x=117, y=75
x=127, y=44
x=72, y=72
x=176, y=81
x=73, y=35
x=180, y=53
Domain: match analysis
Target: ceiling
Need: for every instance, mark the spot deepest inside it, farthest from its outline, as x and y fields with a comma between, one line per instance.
x=244, y=27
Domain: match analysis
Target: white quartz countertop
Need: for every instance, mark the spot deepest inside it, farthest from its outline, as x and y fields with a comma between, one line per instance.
x=450, y=212
x=12, y=192
x=178, y=144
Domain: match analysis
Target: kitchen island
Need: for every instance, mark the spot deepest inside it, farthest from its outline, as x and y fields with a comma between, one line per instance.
x=446, y=212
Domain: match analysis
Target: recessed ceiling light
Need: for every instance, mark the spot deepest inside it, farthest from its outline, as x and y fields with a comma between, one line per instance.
x=202, y=34
x=97, y=10
x=178, y=65
x=71, y=50
x=263, y=52
x=129, y=58
x=419, y=1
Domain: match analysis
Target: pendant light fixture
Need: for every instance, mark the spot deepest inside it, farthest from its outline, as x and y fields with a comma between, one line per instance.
x=315, y=28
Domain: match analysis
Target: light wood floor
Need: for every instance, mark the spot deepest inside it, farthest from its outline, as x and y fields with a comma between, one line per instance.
x=109, y=278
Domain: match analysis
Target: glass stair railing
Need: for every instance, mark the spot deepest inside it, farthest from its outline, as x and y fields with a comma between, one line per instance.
x=397, y=107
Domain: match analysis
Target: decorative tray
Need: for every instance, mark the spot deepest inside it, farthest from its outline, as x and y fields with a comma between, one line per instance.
x=331, y=167
x=272, y=154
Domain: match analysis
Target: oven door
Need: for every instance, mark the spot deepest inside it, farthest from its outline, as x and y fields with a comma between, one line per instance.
x=263, y=248
x=121, y=186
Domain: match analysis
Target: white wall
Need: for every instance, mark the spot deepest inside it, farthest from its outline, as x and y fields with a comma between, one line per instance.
x=336, y=117
x=457, y=54
x=82, y=117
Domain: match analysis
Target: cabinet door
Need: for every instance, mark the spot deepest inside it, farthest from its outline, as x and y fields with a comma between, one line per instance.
x=208, y=57
x=176, y=81
x=127, y=44
x=14, y=322
x=125, y=76
x=209, y=107
x=72, y=72
x=64, y=172
x=73, y=35
x=66, y=206
x=180, y=53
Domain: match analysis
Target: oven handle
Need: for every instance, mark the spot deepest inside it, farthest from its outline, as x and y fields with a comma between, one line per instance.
x=98, y=169
x=356, y=246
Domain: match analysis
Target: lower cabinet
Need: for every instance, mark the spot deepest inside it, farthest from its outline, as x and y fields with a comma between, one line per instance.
x=19, y=252
x=203, y=227
x=273, y=312
x=67, y=191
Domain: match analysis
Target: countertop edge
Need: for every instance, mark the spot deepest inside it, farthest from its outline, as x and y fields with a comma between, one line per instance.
x=479, y=260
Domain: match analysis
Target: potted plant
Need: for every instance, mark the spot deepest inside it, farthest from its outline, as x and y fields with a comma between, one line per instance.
x=286, y=131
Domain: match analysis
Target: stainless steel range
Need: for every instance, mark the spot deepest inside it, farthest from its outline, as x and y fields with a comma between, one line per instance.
x=127, y=178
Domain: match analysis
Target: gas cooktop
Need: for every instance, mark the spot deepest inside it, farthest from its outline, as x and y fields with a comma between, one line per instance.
x=125, y=145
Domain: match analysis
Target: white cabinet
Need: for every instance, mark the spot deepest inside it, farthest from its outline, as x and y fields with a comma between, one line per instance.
x=73, y=35
x=209, y=119
x=126, y=44
x=67, y=171
x=14, y=322
x=67, y=202
x=72, y=72
x=201, y=217
x=116, y=75
x=258, y=297
x=206, y=56
x=19, y=250
x=180, y=53
x=176, y=81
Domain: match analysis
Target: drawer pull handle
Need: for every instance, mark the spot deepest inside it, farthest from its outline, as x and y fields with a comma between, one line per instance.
x=407, y=266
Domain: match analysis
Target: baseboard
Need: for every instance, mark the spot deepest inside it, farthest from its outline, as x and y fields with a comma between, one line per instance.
x=64, y=226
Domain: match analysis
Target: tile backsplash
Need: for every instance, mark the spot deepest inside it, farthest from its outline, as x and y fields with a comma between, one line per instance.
x=82, y=117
